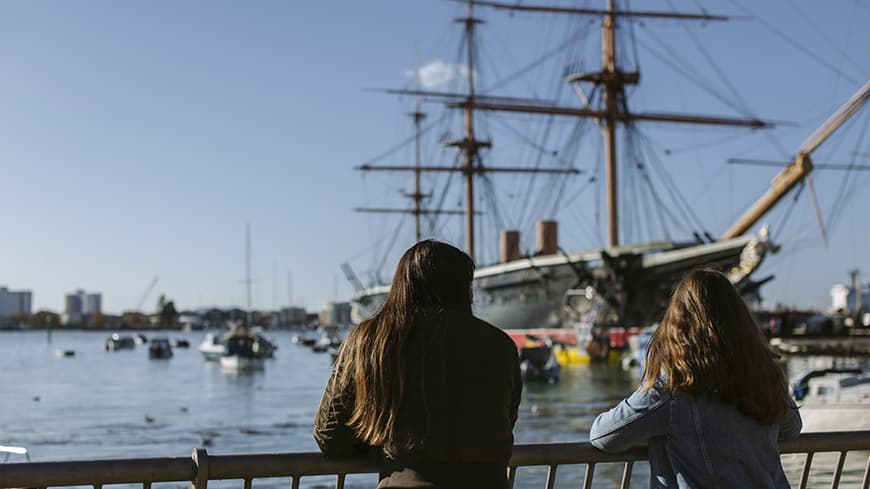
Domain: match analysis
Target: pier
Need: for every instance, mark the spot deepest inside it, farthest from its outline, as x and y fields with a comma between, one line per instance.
x=202, y=467
x=846, y=346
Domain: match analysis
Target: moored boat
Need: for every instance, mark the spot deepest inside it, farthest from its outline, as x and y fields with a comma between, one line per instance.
x=212, y=347
x=834, y=399
x=8, y=451
x=160, y=348
x=117, y=342
x=538, y=362
x=240, y=354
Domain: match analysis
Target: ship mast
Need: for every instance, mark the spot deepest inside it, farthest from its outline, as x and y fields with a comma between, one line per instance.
x=613, y=81
x=470, y=144
x=800, y=167
x=417, y=196
x=614, y=110
x=612, y=89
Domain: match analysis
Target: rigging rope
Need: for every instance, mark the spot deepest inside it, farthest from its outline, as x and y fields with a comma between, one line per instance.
x=843, y=194
x=682, y=69
x=746, y=110
x=390, y=247
x=423, y=130
x=794, y=43
x=670, y=185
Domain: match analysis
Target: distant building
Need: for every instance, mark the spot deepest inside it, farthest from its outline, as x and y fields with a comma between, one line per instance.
x=292, y=316
x=14, y=302
x=80, y=305
x=843, y=298
x=336, y=313
x=93, y=304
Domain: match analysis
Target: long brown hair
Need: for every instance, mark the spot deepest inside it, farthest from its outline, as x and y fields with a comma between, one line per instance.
x=431, y=276
x=708, y=344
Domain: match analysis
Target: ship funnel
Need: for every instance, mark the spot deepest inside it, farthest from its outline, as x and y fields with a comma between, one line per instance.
x=508, y=246
x=548, y=238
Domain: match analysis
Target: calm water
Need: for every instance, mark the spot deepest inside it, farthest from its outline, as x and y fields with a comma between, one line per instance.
x=102, y=404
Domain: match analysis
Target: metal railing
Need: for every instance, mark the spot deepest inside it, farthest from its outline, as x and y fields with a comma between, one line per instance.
x=202, y=467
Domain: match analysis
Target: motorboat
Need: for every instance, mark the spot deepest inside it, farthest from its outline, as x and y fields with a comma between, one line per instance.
x=330, y=337
x=241, y=354
x=834, y=399
x=263, y=347
x=212, y=347
x=537, y=361
x=306, y=338
x=160, y=348
x=65, y=353
x=117, y=342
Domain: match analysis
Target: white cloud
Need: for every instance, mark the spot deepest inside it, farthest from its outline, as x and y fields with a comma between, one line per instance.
x=437, y=73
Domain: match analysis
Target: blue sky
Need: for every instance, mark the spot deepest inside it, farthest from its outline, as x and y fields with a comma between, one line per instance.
x=137, y=139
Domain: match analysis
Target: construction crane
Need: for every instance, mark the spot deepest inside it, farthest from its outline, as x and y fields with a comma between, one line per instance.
x=352, y=278
x=145, y=295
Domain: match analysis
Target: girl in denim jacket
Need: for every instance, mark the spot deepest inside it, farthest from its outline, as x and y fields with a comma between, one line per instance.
x=712, y=403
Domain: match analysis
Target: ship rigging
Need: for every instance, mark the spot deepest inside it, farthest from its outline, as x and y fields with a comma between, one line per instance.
x=621, y=284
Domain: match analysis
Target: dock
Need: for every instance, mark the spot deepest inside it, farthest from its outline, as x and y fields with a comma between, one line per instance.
x=845, y=346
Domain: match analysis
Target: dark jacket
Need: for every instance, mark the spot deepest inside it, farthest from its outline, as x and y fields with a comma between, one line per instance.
x=695, y=442
x=455, y=426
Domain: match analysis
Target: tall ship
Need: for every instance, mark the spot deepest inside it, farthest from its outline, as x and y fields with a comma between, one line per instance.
x=618, y=283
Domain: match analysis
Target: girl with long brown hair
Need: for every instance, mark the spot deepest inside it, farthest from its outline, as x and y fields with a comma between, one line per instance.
x=429, y=389
x=713, y=401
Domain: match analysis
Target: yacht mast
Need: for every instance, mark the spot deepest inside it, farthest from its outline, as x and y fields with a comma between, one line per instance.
x=248, y=273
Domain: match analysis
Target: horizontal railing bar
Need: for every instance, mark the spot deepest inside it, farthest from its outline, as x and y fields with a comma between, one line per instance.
x=570, y=453
x=833, y=441
x=248, y=466
x=283, y=465
x=82, y=473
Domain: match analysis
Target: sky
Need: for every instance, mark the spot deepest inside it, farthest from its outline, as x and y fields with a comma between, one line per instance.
x=139, y=139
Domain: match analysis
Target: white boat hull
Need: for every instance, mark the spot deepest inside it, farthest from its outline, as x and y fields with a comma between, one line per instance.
x=212, y=355
x=212, y=348
x=238, y=363
x=843, y=417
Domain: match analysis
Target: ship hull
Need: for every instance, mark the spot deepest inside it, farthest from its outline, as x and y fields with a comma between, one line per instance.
x=625, y=287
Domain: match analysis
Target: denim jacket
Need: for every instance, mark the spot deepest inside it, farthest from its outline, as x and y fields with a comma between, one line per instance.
x=696, y=443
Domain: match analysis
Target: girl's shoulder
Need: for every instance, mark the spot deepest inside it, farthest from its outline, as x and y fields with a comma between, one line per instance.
x=644, y=398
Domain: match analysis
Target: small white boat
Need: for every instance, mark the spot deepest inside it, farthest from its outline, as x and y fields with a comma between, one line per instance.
x=212, y=347
x=8, y=451
x=306, y=338
x=835, y=399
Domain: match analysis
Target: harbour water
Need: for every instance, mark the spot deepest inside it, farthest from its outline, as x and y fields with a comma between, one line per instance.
x=100, y=404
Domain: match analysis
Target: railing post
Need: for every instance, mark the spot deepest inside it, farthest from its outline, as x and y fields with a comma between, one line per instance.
x=200, y=460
